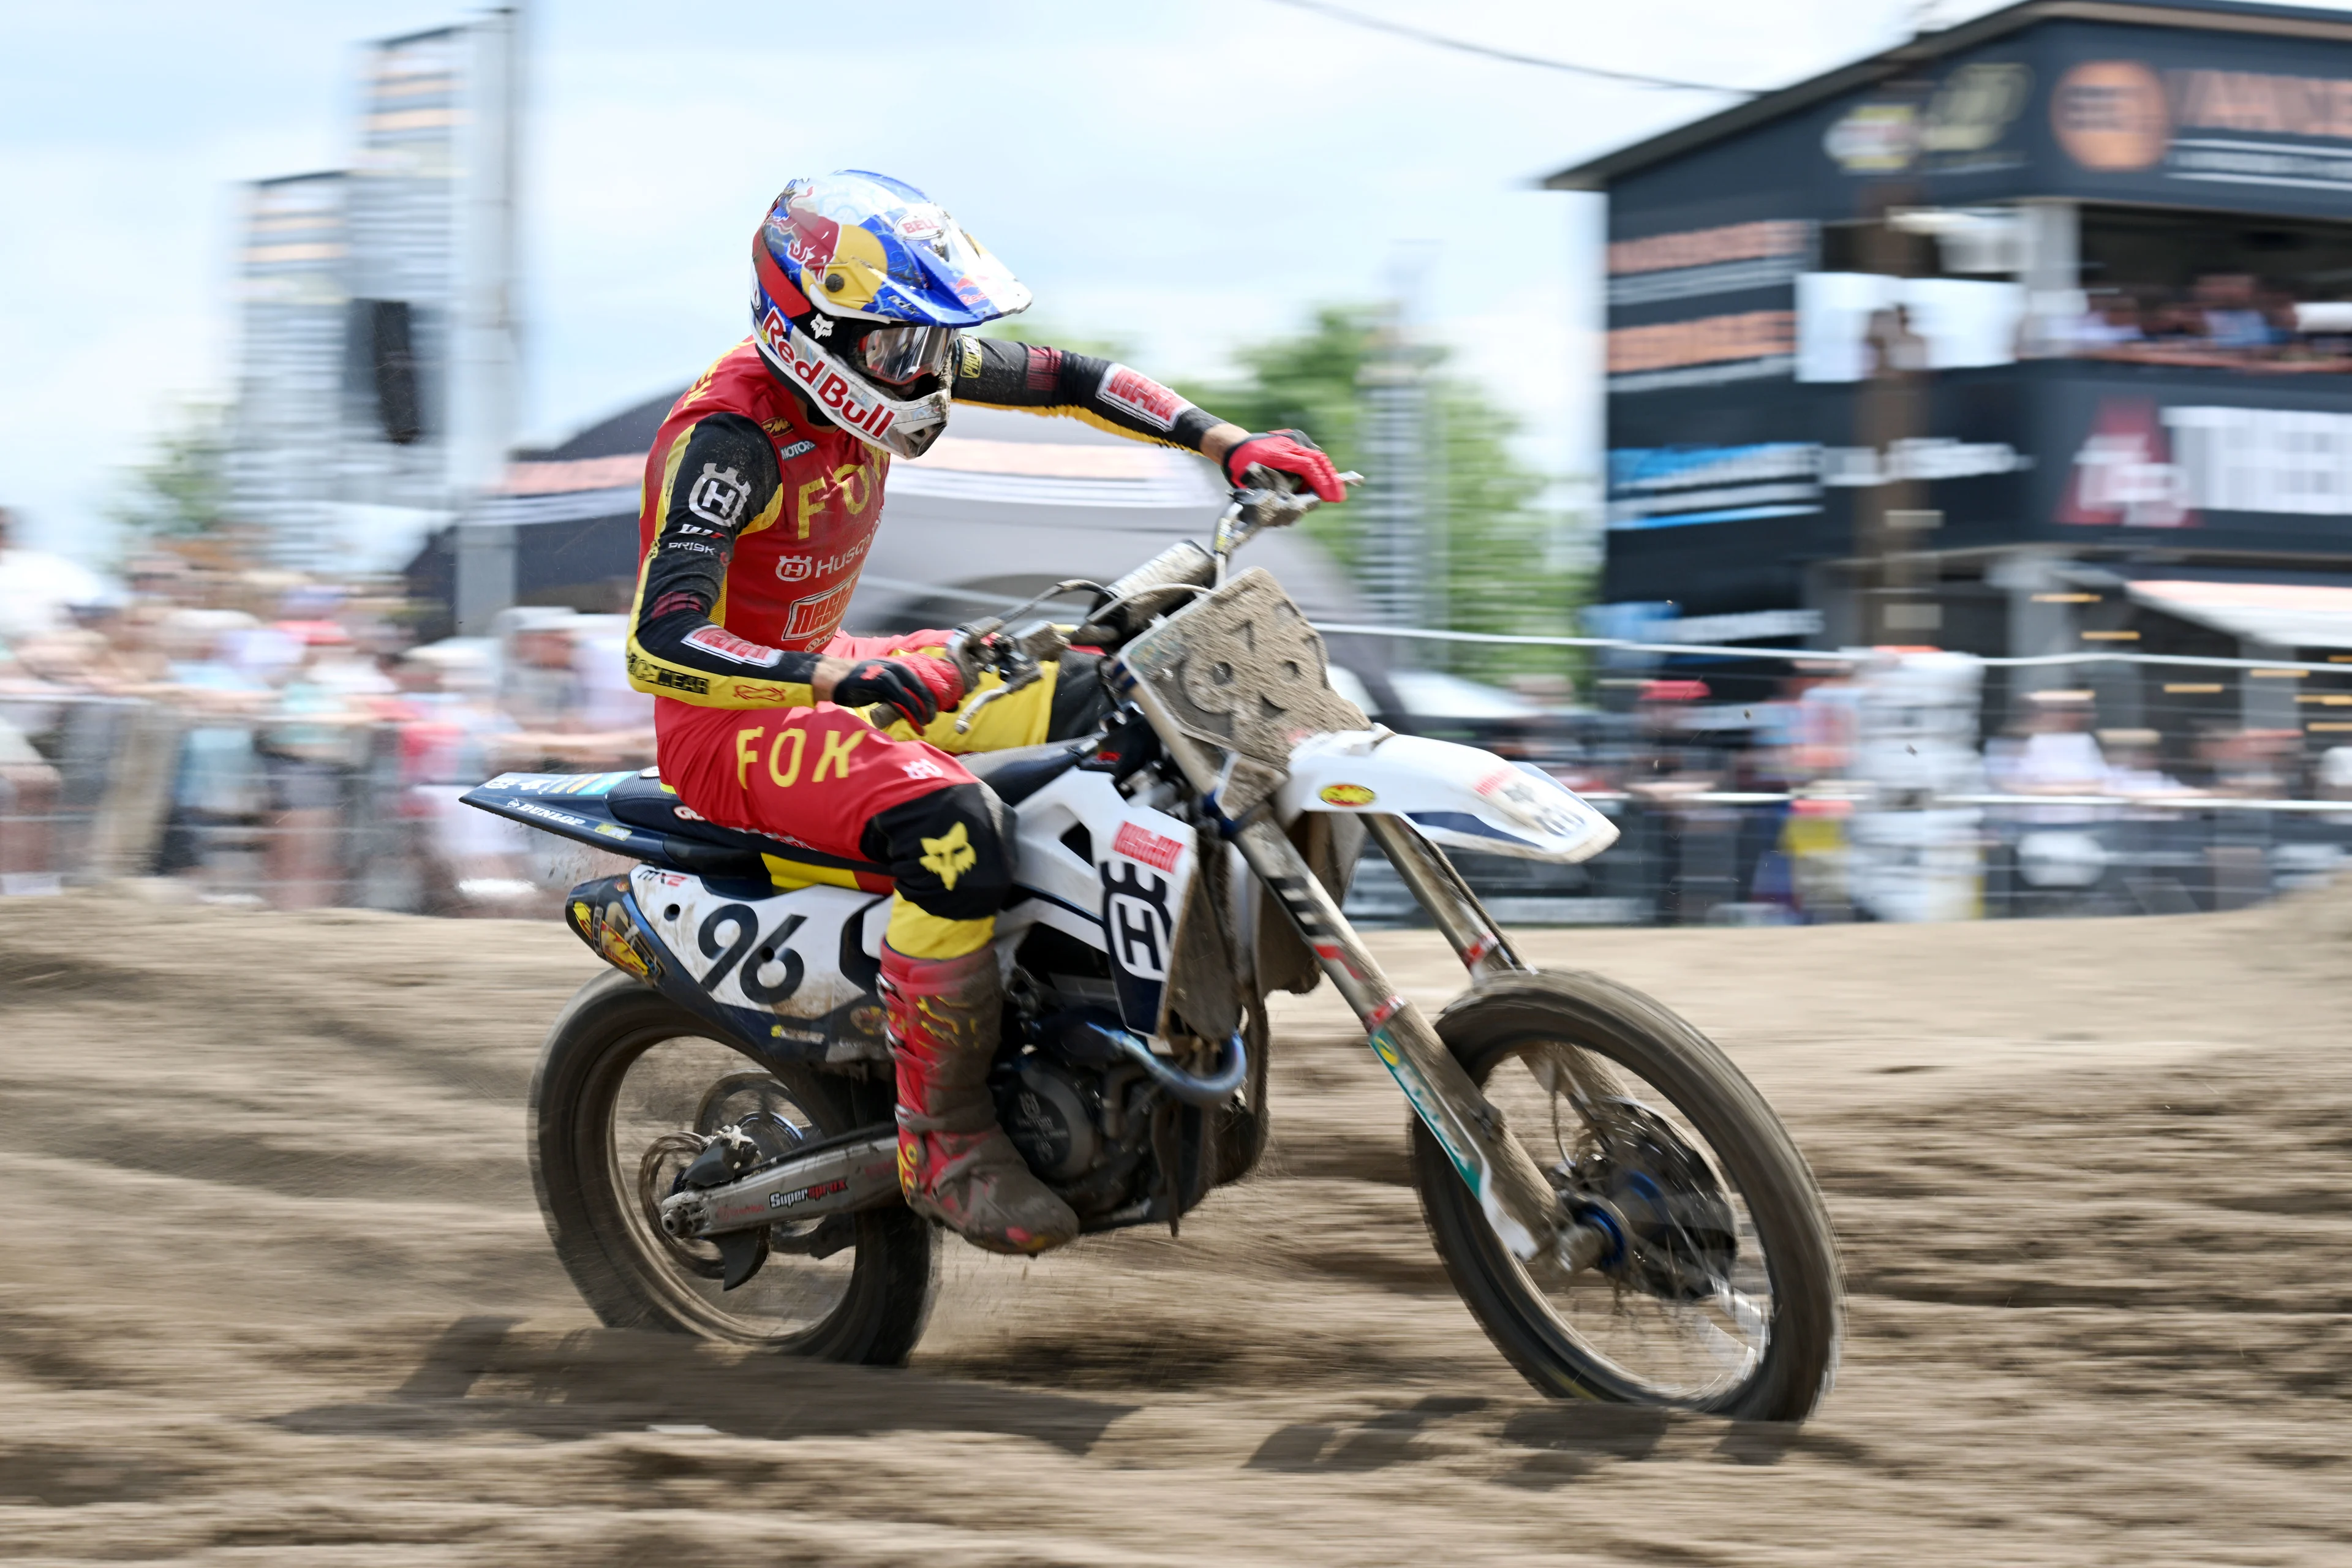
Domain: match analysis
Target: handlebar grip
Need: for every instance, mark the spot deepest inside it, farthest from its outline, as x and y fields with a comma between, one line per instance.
x=1260, y=476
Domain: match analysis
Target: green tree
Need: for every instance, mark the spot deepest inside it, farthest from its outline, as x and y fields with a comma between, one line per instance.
x=182, y=488
x=1500, y=572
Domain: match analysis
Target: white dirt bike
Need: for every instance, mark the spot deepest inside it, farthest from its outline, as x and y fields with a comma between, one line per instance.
x=712, y=1135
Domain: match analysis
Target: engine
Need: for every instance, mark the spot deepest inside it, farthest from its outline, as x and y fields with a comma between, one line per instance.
x=1116, y=1147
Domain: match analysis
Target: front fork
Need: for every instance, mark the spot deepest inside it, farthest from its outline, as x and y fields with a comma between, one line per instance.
x=1437, y=886
x=1518, y=1203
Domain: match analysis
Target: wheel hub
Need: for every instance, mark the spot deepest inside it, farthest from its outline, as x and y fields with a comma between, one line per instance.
x=1676, y=1235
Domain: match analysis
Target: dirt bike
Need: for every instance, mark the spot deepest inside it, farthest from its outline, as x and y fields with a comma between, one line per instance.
x=712, y=1136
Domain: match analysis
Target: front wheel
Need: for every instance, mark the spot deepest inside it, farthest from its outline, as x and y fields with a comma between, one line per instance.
x=1720, y=1291
x=629, y=1088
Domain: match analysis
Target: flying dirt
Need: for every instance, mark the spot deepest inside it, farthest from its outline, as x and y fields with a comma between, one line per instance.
x=274, y=1287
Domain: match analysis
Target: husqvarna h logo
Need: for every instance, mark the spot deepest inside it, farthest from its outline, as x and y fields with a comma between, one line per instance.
x=1135, y=921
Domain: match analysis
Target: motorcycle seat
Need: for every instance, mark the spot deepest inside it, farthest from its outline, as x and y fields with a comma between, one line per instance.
x=646, y=801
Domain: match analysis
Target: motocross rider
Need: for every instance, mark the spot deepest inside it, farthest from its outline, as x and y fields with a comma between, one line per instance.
x=761, y=494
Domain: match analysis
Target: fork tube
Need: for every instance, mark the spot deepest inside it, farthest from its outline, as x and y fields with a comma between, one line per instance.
x=1433, y=880
x=1517, y=1200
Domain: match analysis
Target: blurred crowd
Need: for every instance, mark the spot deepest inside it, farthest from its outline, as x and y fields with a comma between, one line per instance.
x=2232, y=319
x=218, y=731
x=254, y=735
x=1878, y=792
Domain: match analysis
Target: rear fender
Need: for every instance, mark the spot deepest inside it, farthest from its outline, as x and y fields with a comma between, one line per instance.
x=1457, y=796
x=569, y=806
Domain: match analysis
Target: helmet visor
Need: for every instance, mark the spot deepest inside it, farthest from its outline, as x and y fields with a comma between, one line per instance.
x=896, y=355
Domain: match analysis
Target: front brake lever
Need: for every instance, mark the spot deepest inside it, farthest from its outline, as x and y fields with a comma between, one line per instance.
x=1020, y=655
x=971, y=709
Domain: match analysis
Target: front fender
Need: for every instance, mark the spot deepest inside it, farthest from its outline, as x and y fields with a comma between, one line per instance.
x=1458, y=796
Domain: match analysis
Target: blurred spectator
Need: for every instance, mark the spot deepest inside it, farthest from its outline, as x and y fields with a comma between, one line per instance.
x=312, y=747
x=1895, y=348
x=39, y=591
x=2224, y=319
x=2113, y=319
x=2133, y=769
x=217, y=794
x=2252, y=765
x=2231, y=316
x=565, y=688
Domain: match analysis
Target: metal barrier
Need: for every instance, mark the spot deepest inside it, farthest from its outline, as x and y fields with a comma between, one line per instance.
x=101, y=789
x=1734, y=859
x=106, y=791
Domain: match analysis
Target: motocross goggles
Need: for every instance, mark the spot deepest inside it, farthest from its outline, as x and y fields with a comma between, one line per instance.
x=896, y=356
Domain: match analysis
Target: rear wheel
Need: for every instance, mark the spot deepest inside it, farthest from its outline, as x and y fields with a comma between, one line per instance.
x=627, y=1088
x=1720, y=1290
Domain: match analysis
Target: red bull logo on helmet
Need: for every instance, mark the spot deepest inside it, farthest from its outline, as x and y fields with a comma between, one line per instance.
x=813, y=370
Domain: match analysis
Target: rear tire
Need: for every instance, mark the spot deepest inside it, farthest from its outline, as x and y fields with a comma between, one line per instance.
x=587, y=1191
x=1755, y=1161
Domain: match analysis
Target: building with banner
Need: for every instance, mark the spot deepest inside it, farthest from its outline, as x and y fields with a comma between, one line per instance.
x=379, y=358
x=2030, y=336
x=291, y=306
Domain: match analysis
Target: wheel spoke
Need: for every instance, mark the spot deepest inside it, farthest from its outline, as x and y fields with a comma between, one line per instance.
x=1666, y=1314
x=1742, y=1309
x=672, y=1098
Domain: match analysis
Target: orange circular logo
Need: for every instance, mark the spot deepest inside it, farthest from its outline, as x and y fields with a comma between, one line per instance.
x=2110, y=114
x=1346, y=795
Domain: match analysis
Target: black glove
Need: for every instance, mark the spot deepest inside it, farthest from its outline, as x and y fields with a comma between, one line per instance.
x=890, y=683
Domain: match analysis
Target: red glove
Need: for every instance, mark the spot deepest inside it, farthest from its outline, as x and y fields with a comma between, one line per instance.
x=1288, y=452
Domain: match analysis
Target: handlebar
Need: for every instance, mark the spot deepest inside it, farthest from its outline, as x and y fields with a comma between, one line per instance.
x=1271, y=499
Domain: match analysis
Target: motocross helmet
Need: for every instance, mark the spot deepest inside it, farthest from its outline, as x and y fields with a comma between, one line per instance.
x=859, y=287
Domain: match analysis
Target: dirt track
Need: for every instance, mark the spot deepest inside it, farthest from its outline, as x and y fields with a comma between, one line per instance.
x=273, y=1289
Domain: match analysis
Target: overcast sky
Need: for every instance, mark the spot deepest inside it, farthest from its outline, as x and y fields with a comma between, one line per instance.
x=1185, y=177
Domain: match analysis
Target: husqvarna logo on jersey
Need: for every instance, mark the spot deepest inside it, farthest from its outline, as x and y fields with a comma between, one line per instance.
x=718, y=496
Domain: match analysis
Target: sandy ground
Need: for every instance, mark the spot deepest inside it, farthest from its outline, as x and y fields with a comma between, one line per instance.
x=273, y=1289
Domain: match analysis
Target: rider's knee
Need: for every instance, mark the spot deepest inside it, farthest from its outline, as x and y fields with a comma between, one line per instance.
x=950, y=852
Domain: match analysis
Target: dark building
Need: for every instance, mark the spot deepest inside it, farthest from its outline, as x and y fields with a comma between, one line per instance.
x=2030, y=336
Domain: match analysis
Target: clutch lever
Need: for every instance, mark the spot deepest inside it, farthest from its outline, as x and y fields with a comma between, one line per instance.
x=1019, y=656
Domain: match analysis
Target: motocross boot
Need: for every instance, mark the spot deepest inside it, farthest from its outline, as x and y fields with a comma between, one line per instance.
x=955, y=1163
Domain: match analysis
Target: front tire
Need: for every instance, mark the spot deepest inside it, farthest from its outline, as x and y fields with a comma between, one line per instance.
x=623, y=1066
x=1726, y=1299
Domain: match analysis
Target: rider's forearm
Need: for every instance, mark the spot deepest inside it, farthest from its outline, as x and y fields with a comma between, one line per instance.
x=686, y=656
x=1221, y=439
x=1103, y=393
